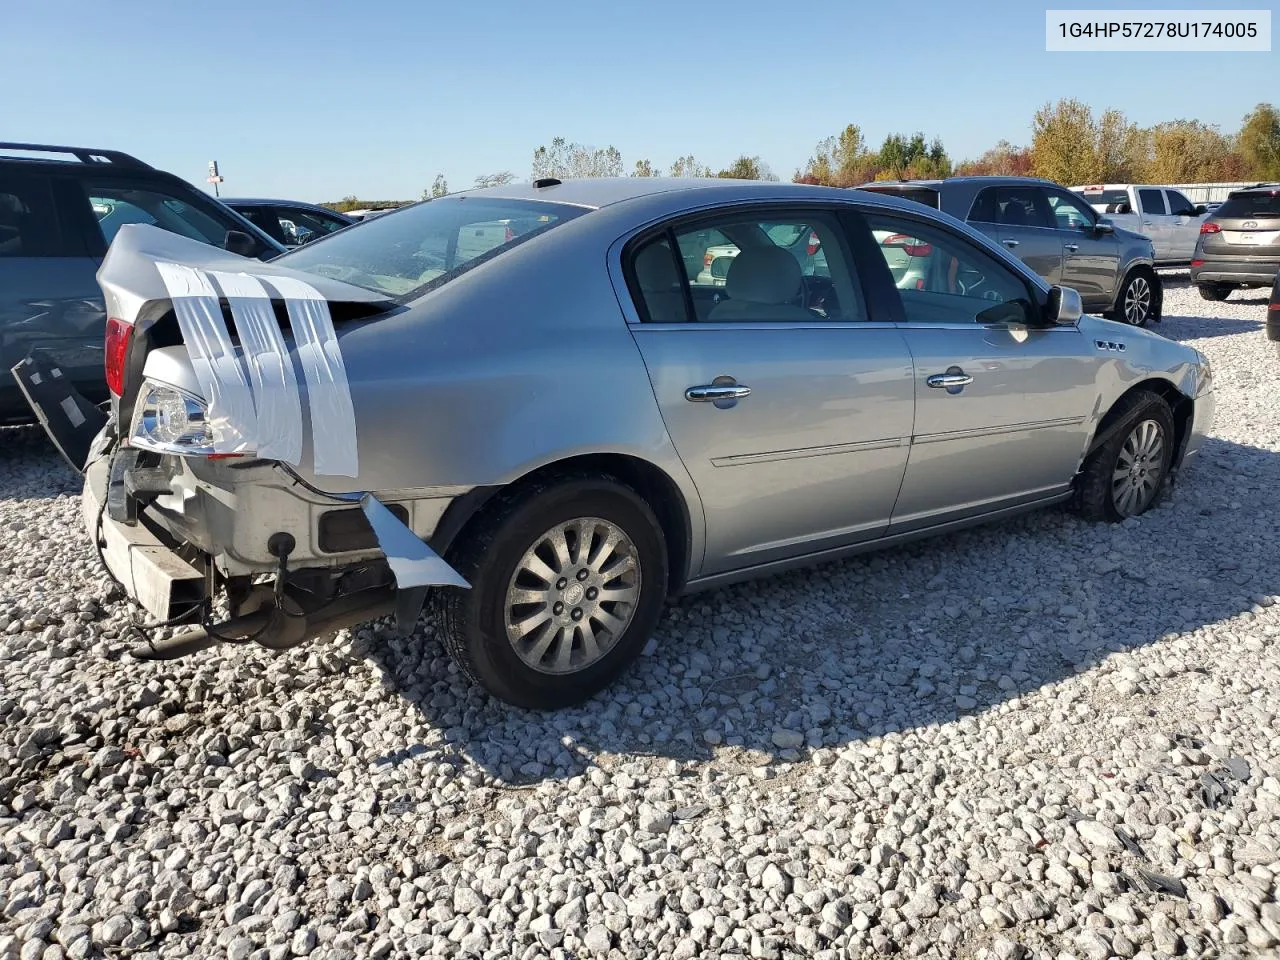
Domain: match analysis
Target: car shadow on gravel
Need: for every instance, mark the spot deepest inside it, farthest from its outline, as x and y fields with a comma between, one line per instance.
x=1184, y=329
x=911, y=638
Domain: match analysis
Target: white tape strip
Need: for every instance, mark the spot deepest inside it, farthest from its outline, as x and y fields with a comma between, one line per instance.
x=333, y=418
x=271, y=373
x=232, y=417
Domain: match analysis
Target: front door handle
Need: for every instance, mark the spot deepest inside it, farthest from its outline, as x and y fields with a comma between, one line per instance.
x=711, y=392
x=1147, y=223
x=949, y=381
x=1071, y=247
x=1010, y=243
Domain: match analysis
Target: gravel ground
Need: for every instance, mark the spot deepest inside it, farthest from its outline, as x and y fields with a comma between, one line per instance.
x=1043, y=738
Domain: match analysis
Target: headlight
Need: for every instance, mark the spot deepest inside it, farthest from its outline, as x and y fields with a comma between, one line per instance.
x=169, y=420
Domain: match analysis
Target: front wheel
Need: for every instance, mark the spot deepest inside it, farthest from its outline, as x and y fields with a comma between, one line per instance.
x=1214, y=291
x=1139, y=299
x=568, y=578
x=1127, y=474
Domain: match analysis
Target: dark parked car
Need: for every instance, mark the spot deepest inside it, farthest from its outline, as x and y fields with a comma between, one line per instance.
x=1056, y=233
x=290, y=222
x=1239, y=245
x=60, y=208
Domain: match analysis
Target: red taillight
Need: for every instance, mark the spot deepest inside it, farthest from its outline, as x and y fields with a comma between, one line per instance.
x=910, y=245
x=1197, y=263
x=1210, y=228
x=814, y=243
x=706, y=260
x=919, y=283
x=509, y=237
x=116, y=347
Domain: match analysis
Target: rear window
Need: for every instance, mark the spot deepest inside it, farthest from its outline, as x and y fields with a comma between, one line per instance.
x=1249, y=205
x=418, y=248
x=925, y=195
x=1100, y=198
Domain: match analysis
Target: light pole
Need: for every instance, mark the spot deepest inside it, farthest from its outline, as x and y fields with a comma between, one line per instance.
x=214, y=176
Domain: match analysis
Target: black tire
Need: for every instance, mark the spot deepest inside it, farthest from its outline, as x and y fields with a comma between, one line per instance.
x=474, y=621
x=1214, y=291
x=1096, y=491
x=1135, y=282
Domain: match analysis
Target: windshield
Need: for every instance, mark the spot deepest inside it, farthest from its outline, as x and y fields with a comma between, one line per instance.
x=1250, y=205
x=421, y=247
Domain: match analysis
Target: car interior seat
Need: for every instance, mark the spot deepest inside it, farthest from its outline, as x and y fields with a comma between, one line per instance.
x=761, y=285
x=660, y=284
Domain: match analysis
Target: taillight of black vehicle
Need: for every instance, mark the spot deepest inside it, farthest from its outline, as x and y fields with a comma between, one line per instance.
x=116, y=350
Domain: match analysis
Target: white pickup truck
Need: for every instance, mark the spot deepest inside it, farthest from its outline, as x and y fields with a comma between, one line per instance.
x=1169, y=219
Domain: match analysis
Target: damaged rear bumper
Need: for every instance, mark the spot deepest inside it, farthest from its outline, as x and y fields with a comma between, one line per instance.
x=158, y=530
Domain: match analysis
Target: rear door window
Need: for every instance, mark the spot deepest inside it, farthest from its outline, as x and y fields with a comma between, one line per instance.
x=1109, y=200
x=1152, y=201
x=1011, y=207
x=29, y=221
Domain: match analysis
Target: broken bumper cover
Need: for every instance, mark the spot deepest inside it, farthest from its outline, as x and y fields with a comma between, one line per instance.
x=171, y=575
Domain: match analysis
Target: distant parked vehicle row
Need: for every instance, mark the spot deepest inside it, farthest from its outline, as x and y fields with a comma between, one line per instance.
x=290, y=222
x=1161, y=213
x=1239, y=244
x=1054, y=231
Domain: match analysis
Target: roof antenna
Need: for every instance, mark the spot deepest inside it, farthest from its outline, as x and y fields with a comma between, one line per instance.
x=546, y=182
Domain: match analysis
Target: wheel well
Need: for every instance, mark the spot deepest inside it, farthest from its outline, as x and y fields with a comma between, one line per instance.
x=1180, y=405
x=653, y=485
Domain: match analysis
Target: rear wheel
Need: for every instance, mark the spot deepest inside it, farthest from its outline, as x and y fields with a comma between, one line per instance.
x=1139, y=299
x=567, y=580
x=1126, y=476
x=1214, y=291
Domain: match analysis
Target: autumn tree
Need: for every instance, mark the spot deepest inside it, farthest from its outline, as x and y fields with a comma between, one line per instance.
x=495, y=179
x=644, y=169
x=564, y=160
x=439, y=188
x=1258, y=142
x=747, y=168
x=841, y=161
x=687, y=166
x=1122, y=151
x=1063, y=143
x=1004, y=159
x=1186, y=151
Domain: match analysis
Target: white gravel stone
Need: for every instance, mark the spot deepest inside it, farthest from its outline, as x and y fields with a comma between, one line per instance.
x=991, y=716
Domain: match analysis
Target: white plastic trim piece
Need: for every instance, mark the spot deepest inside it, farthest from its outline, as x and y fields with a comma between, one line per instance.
x=271, y=373
x=233, y=418
x=333, y=418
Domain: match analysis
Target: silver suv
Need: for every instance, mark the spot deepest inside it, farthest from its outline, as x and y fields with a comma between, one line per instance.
x=1056, y=233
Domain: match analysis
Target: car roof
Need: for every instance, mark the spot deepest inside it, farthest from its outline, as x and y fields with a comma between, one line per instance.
x=1268, y=188
x=597, y=192
x=986, y=180
x=267, y=201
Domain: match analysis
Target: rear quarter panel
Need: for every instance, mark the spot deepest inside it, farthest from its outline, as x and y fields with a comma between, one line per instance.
x=519, y=363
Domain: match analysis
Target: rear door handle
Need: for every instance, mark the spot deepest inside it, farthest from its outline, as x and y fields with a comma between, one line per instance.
x=1071, y=247
x=1146, y=223
x=947, y=381
x=710, y=392
x=1010, y=243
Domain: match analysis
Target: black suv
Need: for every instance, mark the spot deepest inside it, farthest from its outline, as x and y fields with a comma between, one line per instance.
x=60, y=207
x=1239, y=244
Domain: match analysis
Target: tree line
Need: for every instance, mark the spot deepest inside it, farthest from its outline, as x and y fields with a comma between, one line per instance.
x=1069, y=144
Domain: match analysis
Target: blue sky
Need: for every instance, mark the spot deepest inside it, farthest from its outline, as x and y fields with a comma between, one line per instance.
x=316, y=100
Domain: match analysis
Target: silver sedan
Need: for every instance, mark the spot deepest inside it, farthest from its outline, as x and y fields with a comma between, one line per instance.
x=526, y=407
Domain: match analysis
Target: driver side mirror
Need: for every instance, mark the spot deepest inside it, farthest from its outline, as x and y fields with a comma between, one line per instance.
x=1064, y=307
x=1199, y=209
x=1104, y=227
x=240, y=243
